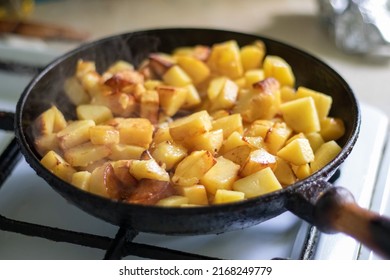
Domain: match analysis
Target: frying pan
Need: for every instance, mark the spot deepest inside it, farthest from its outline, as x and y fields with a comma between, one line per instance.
x=314, y=199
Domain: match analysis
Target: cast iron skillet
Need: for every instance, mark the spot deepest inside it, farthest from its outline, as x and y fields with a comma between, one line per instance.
x=331, y=209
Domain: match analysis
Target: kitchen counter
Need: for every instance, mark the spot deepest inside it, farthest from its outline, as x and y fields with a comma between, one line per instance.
x=291, y=21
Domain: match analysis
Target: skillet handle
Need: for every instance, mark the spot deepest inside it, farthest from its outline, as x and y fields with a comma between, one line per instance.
x=7, y=121
x=333, y=209
x=10, y=156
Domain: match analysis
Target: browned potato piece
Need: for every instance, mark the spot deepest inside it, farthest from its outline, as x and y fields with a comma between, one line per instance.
x=56, y=164
x=192, y=168
x=257, y=160
x=148, y=192
x=168, y=154
x=261, y=102
x=75, y=134
x=85, y=154
x=148, y=169
x=171, y=98
x=48, y=122
x=190, y=126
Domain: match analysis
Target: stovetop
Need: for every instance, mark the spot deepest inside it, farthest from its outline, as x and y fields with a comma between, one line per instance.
x=26, y=197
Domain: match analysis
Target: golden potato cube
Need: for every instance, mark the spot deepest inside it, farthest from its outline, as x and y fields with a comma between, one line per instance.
x=58, y=166
x=162, y=134
x=168, y=154
x=284, y=172
x=261, y=102
x=297, y=152
x=148, y=169
x=276, y=137
x=149, y=105
x=196, y=194
x=315, y=140
x=255, y=142
x=97, y=182
x=239, y=154
x=225, y=59
x=59, y=120
x=241, y=83
x=209, y=141
x=332, y=128
x=226, y=98
x=120, y=104
x=324, y=154
x=81, y=180
x=277, y=67
x=46, y=143
x=85, y=154
x=233, y=141
x=171, y=98
x=259, y=128
x=287, y=93
x=91, y=82
x=256, y=161
x=253, y=76
x=50, y=121
x=190, y=126
x=152, y=84
x=227, y=196
x=221, y=176
x=92, y=166
x=136, y=131
x=44, y=123
x=176, y=76
x=215, y=87
x=229, y=124
x=97, y=113
x=195, y=68
x=123, y=151
x=302, y=171
x=322, y=101
x=296, y=136
x=75, y=91
x=75, y=133
x=258, y=183
x=171, y=201
x=83, y=67
x=192, y=97
x=119, y=66
x=252, y=56
x=301, y=115
x=104, y=135
x=192, y=168
x=219, y=114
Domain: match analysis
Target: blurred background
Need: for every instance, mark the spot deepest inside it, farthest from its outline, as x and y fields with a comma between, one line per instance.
x=52, y=27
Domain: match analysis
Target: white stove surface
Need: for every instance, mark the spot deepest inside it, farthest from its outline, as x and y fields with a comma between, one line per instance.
x=27, y=197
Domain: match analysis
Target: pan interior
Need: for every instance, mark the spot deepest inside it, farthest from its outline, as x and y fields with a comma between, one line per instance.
x=47, y=89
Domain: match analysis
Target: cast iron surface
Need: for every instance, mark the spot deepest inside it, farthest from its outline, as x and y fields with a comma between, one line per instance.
x=46, y=89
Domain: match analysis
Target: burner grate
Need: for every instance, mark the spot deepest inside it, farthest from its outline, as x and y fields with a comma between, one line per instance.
x=119, y=247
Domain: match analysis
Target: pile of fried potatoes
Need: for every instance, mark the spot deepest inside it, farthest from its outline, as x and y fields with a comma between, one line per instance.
x=203, y=125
